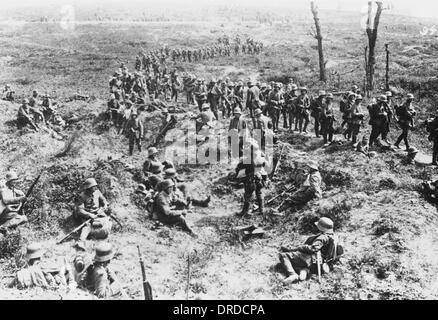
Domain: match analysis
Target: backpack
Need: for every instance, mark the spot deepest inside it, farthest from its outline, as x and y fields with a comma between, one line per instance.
x=334, y=250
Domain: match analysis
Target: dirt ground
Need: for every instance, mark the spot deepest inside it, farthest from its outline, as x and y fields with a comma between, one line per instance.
x=388, y=230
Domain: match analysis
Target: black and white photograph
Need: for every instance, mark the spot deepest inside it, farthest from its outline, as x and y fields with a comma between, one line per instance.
x=220, y=150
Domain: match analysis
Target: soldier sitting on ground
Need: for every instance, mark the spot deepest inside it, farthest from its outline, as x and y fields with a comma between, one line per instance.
x=7, y=93
x=12, y=200
x=91, y=206
x=310, y=189
x=98, y=277
x=40, y=274
x=181, y=198
x=300, y=261
x=26, y=114
x=162, y=208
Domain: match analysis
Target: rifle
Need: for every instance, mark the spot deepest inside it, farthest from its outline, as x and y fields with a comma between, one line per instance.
x=74, y=230
x=116, y=220
x=163, y=132
x=146, y=285
x=277, y=196
x=318, y=264
x=276, y=163
x=29, y=192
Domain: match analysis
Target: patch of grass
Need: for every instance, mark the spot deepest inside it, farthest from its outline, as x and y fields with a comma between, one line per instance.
x=334, y=178
x=385, y=224
x=10, y=244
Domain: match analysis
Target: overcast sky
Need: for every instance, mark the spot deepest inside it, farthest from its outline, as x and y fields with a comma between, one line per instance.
x=417, y=8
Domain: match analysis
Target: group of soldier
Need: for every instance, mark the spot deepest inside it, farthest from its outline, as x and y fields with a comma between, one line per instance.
x=150, y=61
x=39, y=110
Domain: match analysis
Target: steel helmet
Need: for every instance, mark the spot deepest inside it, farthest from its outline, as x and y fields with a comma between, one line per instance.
x=33, y=251
x=10, y=176
x=257, y=112
x=205, y=106
x=329, y=96
x=359, y=97
x=382, y=98
x=321, y=93
x=410, y=96
x=312, y=164
x=388, y=93
x=324, y=224
x=90, y=182
x=152, y=151
x=104, y=252
x=237, y=110
x=168, y=183
x=294, y=87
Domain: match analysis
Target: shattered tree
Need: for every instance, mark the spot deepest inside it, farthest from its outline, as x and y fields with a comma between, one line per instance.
x=372, y=27
x=318, y=36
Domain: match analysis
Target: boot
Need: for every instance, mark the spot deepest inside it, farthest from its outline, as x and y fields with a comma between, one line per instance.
x=303, y=274
x=201, y=203
x=291, y=278
x=245, y=209
x=261, y=206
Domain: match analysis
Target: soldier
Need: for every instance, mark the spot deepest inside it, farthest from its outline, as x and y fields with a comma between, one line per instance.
x=289, y=109
x=98, y=277
x=328, y=119
x=275, y=102
x=316, y=108
x=378, y=119
x=162, y=208
x=12, y=200
x=405, y=115
x=26, y=116
x=113, y=110
x=356, y=118
x=215, y=96
x=264, y=124
x=206, y=117
x=200, y=93
x=180, y=196
x=135, y=132
x=238, y=95
x=363, y=146
x=40, y=274
x=8, y=94
x=255, y=177
x=310, y=189
x=225, y=103
x=152, y=166
x=302, y=107
x=300, y=261
x=348, y=107
x=252, y=97
x=238, y=127
x=91, y=206
x=432, y=128
x=175, y=84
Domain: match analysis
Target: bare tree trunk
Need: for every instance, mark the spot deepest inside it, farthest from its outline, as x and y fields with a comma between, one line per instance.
x=318, y=36
x=387, y=68
x=372, y=38
x=365, y=87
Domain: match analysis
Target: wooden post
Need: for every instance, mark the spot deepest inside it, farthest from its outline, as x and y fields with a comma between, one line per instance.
x=387, y=68
x=318, y=36
x=372, y=26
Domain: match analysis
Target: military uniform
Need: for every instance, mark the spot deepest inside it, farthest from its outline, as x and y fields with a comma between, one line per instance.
x=275, y=101
x=378, y=120
x=10, y=204
x=327, y=121
x=164, y=213
x=356, y=118
x=135, y=133
x=316, y=108
x=303, y=114
x=310, y=189
x=252, y=99
x=406, y=114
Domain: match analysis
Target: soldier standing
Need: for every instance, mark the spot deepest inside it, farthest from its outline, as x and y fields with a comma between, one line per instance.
x=378, y=119
x=405, y=115
x=275, y=101
x=255, y=177
x=316, y=108
x=302, y=107
x=238, y=127
x=252, y=97
x=328, y=119
x=356, y=118
x=135, y=132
